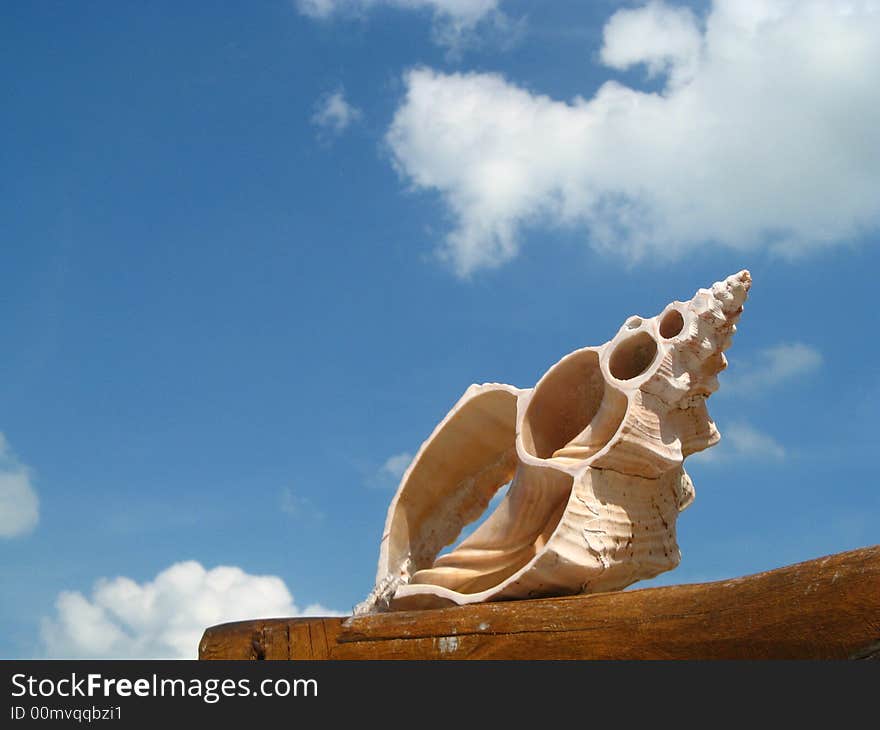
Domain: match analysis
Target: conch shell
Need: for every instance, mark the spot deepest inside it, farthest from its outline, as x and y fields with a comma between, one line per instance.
x=593, y=454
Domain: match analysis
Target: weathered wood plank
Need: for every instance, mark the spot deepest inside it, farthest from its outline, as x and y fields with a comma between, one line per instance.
x=827, y=608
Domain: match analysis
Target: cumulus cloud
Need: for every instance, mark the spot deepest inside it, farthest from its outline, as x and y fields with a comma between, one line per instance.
x=743, y=442
x=765, y=134
x=19, y=504
x=333, y=114
x=455, y=21
x=773, y=366
x=164, y=617
x=662, y=37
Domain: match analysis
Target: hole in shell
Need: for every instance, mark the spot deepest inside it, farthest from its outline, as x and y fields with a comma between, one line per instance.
x=512, y=535
x=672, y=324
x=633, y=323
x=442, y=494
x=469, y=529
x=632, y=356
x=573, y=411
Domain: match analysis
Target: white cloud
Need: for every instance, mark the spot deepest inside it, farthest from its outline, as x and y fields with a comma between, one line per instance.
x=742, y=442
x=662, y=37
x=772, y=366
x=454, y=20
x=766, y=133
x=333, y=114
x=19, y=504
x=164, y=617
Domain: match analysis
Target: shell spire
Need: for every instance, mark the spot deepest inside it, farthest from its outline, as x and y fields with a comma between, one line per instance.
x=732, y=292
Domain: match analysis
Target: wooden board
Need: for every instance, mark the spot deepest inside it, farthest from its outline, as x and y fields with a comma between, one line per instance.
x=827, y=608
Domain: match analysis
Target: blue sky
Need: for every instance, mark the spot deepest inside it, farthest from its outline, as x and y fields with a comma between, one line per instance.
x=253, y=252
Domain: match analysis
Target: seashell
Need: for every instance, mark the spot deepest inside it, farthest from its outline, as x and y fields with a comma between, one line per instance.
x=594, y=456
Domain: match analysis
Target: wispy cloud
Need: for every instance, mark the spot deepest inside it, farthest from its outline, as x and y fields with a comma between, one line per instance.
x=466, y=11
x=456, y=23
x=389, y=474
x=163, y=617
x=716, y=157
x=770, y=367
x=19, y=504
x=334, y=114
x=299, y=507
x=742, y=442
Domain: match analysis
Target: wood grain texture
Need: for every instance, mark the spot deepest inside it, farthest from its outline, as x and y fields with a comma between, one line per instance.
x=827, y=608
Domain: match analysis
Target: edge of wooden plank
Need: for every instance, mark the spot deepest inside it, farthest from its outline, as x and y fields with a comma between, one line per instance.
x=828, y=607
